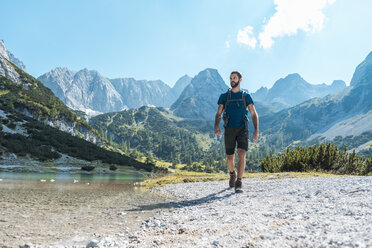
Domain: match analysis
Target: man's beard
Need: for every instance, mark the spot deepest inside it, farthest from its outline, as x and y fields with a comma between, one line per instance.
x=235, y=84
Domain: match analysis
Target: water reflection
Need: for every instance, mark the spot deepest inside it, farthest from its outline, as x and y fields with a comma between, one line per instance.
x=61, y=176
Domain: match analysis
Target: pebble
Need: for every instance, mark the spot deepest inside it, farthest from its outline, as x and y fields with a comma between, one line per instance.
x=92, y=243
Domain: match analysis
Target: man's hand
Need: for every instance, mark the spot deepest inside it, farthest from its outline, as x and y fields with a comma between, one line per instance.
x=217, y=130
x=255, y=135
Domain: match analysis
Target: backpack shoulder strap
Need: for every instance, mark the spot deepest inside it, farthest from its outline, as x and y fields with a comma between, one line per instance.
x=244, y=99
x=227, y=99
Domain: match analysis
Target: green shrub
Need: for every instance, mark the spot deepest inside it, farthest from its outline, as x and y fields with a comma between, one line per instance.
x=325, y=157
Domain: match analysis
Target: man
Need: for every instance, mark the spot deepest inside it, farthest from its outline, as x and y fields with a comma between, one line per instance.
x=234, y=104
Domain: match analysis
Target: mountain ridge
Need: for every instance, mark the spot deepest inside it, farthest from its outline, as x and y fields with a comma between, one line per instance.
x=292, y=90
x=114, y=94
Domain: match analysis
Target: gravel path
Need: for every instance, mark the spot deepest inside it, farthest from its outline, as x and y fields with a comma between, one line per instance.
x=292, y=212
x=307, y=212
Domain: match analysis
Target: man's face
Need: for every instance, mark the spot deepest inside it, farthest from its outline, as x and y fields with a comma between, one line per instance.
x=234, y=80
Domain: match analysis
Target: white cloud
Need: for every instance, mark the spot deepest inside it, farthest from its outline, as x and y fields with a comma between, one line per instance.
x=246, y=37
x=227, y=43
x=291, y=16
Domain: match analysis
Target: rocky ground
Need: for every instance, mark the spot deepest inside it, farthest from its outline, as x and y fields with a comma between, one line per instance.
x=292, y=212
x=307, y=212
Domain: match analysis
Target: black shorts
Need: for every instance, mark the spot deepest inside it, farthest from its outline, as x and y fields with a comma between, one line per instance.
x=235, y=136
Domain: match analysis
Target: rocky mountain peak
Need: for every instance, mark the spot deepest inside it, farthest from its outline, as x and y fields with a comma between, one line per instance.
x=293, y=76
x=16, y=61
x=199, y=99
x=363, y=73
x=3, y=51
x=59, y=80
x=291, y=80
x=180, y=85
x=60, y=70
x=209, y=75
x=9, y=56
x=88, y=74
x=338, y=84
x=6, y=69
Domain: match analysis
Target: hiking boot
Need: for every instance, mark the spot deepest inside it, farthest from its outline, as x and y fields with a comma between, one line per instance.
x=238, y=186
x=232, y=179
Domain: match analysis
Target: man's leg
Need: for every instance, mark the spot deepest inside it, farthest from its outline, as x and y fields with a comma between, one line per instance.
x=230, y=162
x=242, y=148
x=241, y=162
x=231, y=166
x=230, y=143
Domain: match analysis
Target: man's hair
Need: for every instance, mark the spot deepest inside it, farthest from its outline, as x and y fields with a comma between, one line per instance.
x=237, y=73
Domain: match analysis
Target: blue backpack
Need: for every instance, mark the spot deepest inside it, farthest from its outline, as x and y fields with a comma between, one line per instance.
x=225, y=116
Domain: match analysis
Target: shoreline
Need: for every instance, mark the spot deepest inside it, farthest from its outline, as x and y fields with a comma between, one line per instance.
x=275, y=210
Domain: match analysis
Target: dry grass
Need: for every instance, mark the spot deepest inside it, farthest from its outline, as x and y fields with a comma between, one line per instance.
x=179, y=176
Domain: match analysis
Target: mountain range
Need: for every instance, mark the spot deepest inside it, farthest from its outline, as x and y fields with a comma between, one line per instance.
x=292, y=90
x=89, y=91
x=192, y=98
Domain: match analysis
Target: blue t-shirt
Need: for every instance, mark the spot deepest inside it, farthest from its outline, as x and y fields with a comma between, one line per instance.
x=235, y=109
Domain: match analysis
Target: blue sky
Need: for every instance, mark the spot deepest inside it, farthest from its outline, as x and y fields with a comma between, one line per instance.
x=322, y=40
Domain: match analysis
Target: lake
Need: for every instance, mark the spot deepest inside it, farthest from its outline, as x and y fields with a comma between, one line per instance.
x=71, y=208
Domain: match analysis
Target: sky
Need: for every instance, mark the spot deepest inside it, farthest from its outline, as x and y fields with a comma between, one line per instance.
x=322, y=40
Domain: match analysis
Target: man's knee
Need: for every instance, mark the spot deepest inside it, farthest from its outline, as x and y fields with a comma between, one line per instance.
x=241, y=152
x=230, y=157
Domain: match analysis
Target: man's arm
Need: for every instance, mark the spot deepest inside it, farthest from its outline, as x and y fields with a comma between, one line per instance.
x=254, y=116
x=217, y=120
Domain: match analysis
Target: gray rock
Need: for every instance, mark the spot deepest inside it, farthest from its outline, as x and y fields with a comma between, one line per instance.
x=92, y=243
